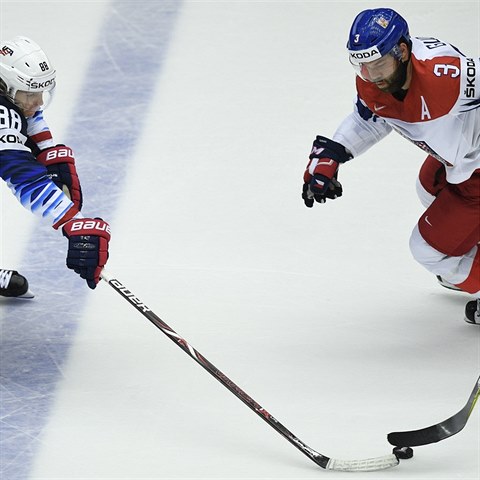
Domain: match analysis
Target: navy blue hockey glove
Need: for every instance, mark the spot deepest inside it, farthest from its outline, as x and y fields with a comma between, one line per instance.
x=320, y=188
x=320, y=176
x=87, y=247
x=60, y=164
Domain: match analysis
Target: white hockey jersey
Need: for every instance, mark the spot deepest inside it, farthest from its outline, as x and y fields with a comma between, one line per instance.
x=440, y=113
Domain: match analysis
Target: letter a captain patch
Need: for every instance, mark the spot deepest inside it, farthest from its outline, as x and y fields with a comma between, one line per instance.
x=425, y=113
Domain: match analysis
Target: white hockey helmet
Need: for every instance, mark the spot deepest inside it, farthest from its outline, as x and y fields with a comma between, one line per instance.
x=24, y=66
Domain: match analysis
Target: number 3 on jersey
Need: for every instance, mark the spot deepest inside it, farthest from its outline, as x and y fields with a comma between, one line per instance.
x=443, y=69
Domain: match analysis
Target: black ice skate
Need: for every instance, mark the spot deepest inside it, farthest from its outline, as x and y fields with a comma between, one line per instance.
x=13, y=285
x=472, y=312
x=448, y=285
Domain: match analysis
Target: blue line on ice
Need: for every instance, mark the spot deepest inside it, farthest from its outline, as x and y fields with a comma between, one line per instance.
x=36, y=335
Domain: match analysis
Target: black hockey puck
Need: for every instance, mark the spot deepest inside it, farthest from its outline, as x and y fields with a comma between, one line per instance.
x=403, y=453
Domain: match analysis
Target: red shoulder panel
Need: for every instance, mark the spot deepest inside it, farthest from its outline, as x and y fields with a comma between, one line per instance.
x=433, y=92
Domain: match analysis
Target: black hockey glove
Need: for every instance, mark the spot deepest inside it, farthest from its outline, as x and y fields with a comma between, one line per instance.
x=320, y=177
x=87, y=254
x=333, y=190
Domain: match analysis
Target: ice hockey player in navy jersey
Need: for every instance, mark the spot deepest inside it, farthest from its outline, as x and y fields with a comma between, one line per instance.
x=429, y=92
x=41, y=174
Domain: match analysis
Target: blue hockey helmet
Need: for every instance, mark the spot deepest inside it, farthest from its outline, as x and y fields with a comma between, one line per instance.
x=375, y=33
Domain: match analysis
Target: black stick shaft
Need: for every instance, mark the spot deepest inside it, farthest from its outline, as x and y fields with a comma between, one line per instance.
x=318, y=458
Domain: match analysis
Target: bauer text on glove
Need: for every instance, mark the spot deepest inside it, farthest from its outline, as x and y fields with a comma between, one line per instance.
x=60, y=164
x=87, y=254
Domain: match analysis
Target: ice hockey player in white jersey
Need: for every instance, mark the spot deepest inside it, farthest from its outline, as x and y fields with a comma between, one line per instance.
x=41, y=174
x=429, y=92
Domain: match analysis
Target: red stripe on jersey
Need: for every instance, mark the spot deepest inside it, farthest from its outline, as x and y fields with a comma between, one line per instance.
x=42, y=136
x=433, y=92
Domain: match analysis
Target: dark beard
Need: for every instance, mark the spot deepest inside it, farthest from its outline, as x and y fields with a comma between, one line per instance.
x=397, y=80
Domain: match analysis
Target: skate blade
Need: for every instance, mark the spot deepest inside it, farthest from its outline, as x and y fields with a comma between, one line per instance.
x=27, y=295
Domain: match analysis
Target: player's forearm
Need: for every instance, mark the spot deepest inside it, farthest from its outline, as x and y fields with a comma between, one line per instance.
x=29, y=182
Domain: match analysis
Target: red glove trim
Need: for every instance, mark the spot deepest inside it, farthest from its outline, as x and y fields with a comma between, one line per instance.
x=58, y=154
x=323, y=166
x=87, y=226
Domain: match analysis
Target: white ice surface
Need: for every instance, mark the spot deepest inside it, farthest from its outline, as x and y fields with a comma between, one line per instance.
x=321, y=315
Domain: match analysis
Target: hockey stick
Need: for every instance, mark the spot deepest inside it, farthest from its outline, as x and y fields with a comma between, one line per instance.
x=370, y=464
x=441, y=430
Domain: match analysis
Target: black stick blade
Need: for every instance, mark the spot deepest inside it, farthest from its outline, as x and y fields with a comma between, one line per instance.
x=439, y=431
